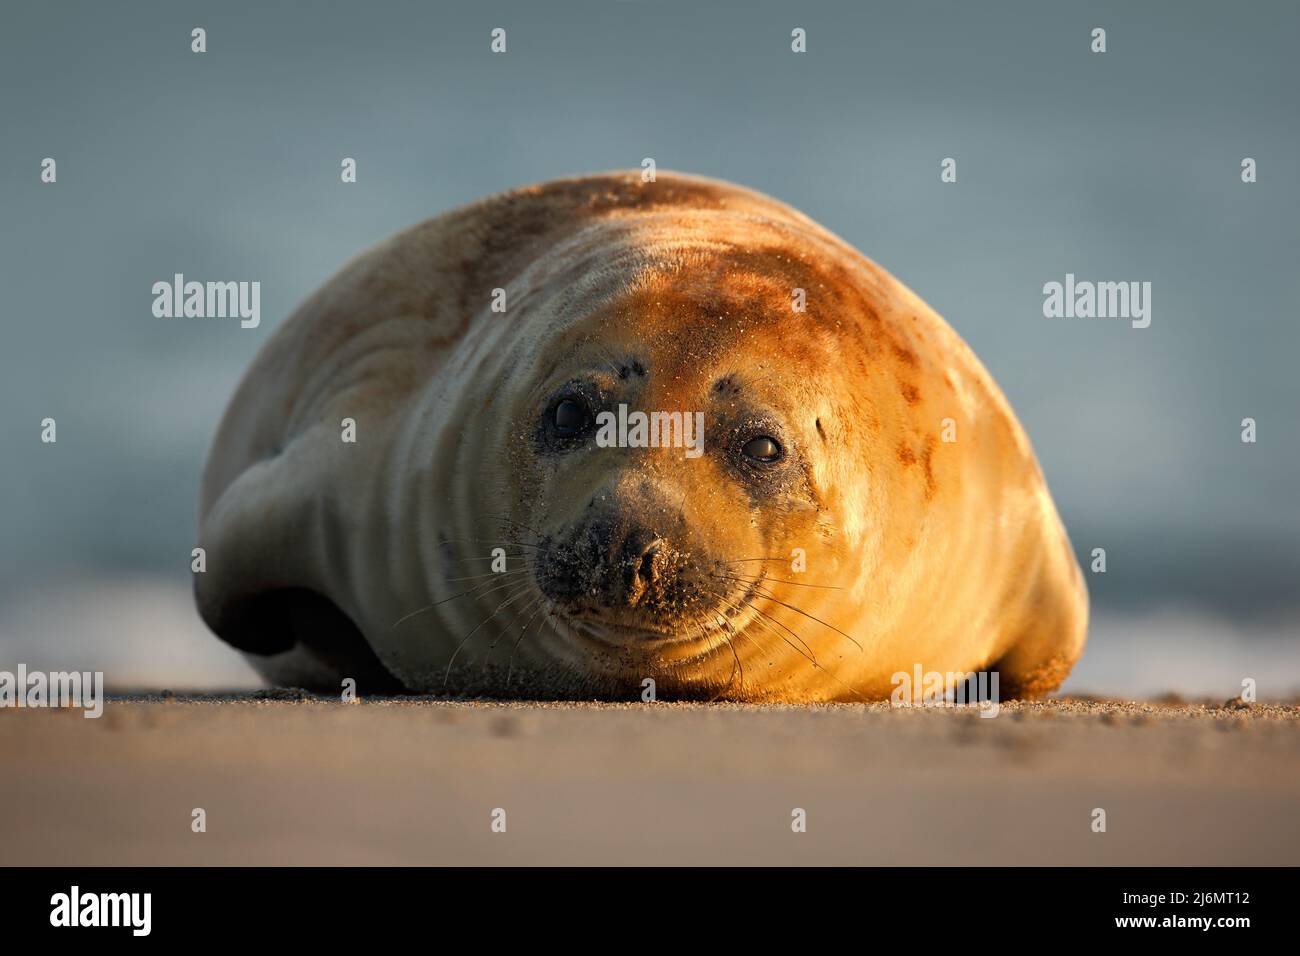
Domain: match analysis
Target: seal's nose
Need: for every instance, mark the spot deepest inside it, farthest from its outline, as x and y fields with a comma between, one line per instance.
x=632, y=563
x=611, y=561
x=642, y=562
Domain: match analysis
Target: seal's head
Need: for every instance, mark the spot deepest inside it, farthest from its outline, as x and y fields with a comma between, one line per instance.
x=669, y=451
x=707, y=443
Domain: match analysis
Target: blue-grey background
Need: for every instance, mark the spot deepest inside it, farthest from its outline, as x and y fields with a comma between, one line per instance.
x=225, y=165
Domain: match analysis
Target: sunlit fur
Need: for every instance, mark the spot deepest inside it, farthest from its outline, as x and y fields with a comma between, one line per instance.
x=670, y=295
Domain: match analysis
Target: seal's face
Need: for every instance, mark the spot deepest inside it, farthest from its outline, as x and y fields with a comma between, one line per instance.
x=659, y=534
x=654, y=542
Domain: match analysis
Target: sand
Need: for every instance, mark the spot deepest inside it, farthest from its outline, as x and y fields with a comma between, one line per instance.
x=286, y=779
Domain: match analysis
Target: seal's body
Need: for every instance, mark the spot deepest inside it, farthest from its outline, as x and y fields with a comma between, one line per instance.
x=862, y=501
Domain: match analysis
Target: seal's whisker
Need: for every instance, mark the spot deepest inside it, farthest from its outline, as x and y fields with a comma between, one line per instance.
x=770, y=623
x=768, y=596
x=496, y=542
x=763, y=615
x=808, y=655
x=505, y=629
x=811, y=655
x=812, y=660
x=486, y=557
x=798, y=584
x=540, y=606
x=465, y=593
x=524, y=589
x=744, y=634
x=735, y=657
x=488, y=574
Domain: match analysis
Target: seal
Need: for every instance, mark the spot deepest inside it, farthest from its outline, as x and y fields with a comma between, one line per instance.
x=441, y=474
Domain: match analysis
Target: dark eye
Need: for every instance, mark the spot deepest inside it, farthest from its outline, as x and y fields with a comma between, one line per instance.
x=763, y=449
x=570, y=416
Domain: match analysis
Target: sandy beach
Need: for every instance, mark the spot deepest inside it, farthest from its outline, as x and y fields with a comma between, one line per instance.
x=287, y=779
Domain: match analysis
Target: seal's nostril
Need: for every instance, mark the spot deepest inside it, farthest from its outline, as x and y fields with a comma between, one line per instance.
x=648, y=570
x=642, y=565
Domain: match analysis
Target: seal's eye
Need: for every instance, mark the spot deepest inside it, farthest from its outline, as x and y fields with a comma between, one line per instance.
x=762, y=449
x=569, y=417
